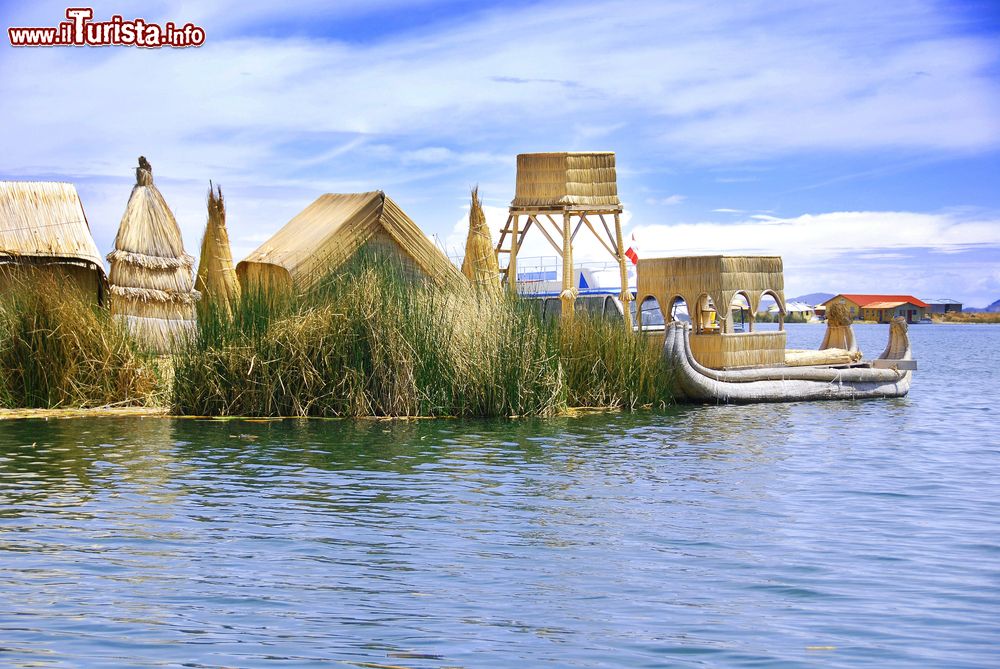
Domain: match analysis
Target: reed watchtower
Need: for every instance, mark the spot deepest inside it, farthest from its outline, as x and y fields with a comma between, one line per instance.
x=560, y=193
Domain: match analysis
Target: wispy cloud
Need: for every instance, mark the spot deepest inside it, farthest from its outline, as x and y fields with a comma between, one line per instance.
x=668, y=201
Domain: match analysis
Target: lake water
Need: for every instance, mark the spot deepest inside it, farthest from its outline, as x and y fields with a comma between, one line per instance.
x=844, y=534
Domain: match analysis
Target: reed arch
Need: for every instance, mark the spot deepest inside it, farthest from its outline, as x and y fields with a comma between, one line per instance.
x=779, y=303
x=704, y=306
x=646, y=305
x=748, y=307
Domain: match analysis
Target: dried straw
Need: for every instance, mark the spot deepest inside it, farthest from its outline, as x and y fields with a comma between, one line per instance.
x=331, y=230
x=567, y=179
x=216, y=278
x=152, y=285
x=480, y=265
x=44, y=230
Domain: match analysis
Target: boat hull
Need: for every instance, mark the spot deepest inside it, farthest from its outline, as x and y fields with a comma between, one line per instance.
x=695, y=383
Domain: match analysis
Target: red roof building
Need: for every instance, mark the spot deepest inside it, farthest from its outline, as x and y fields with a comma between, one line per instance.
x=882, y=308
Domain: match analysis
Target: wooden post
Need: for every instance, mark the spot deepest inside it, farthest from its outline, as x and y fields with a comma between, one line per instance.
x=568, y=295
x=626, y=294
x=512, y=263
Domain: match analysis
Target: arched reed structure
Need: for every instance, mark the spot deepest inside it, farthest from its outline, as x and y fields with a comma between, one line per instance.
x=708, y=285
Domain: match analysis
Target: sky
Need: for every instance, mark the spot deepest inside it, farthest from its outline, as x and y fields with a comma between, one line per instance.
x=858, y=140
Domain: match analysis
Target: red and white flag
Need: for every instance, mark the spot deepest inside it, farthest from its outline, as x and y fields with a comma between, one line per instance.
x=633, y=251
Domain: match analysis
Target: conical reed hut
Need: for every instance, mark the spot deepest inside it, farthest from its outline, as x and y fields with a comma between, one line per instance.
x=216, y=278
x=480, y=264
x=152, y=282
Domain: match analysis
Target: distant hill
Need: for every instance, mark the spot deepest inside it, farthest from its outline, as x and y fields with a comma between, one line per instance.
x=992, y=309
x=811, y=299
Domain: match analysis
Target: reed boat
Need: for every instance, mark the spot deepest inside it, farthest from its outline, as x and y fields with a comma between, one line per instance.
x=714, y=360
x=889, y=375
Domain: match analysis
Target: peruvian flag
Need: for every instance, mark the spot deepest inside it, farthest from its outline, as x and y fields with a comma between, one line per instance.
x=633, y=251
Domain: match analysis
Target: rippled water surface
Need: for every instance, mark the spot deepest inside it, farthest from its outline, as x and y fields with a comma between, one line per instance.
x=830, y=535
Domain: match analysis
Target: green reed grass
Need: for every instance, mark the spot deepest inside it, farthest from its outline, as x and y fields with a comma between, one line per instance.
x=369, y=340
x=59, y=350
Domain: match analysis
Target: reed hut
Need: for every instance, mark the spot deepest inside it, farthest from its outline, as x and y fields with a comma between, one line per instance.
x=328, y=232
x=559, y=194
x=216, y=280
x=152, y=282
x=44, y=230
x=480, y=263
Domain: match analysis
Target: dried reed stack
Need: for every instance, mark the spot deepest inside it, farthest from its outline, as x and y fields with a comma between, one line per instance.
x=216, y=280
x=152, y=283
x=480, y=264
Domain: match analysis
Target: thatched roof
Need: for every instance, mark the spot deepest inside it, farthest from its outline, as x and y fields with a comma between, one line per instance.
x=216, y=278
x=480, y=264
x=558, y=180
x=720, y=277
x=45, y=221
x=333, y=228
x=152, y=283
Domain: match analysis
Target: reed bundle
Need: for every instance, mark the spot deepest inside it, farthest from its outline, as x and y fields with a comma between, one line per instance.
x=829, y=356
x=216, y=279
x=152, y=284
x=480, y=265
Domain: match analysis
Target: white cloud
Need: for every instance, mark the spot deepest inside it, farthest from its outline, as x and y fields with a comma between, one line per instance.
x=668, y=201
x=871, y=251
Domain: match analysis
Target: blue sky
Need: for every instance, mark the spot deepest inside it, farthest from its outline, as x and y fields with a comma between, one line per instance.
x=859, y=140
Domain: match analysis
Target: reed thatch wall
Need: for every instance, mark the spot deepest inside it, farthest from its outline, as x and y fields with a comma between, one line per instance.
x=329, y=231
x=216, y=280
x=152, y=282
x=555, y=180
x=720, y=277
x=43, y=228
x=732, y=351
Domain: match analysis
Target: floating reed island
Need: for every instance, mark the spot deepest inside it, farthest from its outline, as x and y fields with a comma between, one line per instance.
x=351, y=310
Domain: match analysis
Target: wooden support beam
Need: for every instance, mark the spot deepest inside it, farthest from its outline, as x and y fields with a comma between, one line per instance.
x=611, y=237
x=626, y=294
x=511, y=275
x=503, y=233
x=538, y=224
x=584, y=218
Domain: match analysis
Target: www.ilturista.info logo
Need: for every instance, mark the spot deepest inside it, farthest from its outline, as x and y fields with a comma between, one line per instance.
x=79, y=30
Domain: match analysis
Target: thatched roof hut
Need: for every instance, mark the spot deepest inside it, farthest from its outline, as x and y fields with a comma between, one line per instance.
x=567, y=179
x=480, y=263
x=43, y=228
x=321, y=237
x=152, y=283
x=216, y=278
